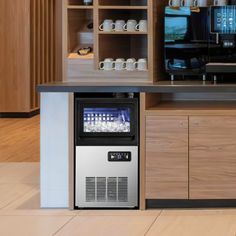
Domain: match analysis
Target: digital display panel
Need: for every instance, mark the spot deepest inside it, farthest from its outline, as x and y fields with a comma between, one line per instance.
x=223, y=19
x=175, y=28
x=176, y=23
x=106, y=120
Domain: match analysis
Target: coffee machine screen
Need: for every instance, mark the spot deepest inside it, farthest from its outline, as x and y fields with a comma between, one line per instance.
x=223, y=19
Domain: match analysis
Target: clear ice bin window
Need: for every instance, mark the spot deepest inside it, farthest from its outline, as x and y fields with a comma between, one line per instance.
x=106, y=120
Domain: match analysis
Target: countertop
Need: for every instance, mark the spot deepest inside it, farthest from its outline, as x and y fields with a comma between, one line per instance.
x=158, y=87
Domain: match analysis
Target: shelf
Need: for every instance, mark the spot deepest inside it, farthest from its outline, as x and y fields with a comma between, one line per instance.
x=123, y=32
x=124, y=7
x=193, y=108
x=90, y=56
x=79, y=7
x=123, y=3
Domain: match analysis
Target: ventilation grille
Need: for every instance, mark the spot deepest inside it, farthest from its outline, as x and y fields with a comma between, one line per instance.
x=102, y=189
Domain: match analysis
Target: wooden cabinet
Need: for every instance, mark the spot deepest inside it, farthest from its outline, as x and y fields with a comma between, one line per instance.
x=190, y=149
x=166, y=157
x=212, y=157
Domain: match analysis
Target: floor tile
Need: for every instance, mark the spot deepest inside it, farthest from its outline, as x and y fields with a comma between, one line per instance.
x=31, y=225
x=24, y=173
x=41, y=212
x=11, y=192
x=119, y=213
x=29, y=201
x=107, y=226
x=195, y=223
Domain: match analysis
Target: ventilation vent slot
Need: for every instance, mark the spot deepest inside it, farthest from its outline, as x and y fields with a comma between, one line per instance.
x=101, y=189
x=122, y=189
x=110, y=189
x=90, y=189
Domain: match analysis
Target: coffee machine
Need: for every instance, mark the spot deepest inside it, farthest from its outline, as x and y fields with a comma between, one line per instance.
x=200, y=42
x=222, y=42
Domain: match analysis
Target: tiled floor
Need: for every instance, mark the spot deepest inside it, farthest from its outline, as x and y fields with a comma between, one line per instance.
x=20, y=214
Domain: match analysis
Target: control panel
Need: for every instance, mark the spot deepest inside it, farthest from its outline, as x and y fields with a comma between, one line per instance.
x=119, y=156
x=223, y=19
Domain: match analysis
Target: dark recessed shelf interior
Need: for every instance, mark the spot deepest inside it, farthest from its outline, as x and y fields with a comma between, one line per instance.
x=123, y=2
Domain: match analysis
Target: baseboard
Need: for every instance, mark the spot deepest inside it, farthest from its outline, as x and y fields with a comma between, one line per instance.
x=182, y=203
x=19, y=114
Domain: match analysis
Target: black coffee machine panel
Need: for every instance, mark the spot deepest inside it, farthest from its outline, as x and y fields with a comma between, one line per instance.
x=200, y=42
x=186, y=41
x=223, y=20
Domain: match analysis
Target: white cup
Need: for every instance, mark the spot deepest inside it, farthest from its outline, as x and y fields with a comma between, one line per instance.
x=119, y=64
x=174, y=3
x=187, y=3
x=88, y=2
x=130, y=25
x=107, y=26
x=119, y=25
x=141, y=64
x=200, y=3
x=130, y=64
x=107, y=64
x=220, y=2
x=142, y=26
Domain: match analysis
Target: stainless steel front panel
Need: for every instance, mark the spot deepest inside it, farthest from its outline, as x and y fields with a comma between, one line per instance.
x=100, y=183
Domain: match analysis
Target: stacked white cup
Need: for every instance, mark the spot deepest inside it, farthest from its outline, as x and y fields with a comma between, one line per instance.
x=109, y=25
x=120, y=64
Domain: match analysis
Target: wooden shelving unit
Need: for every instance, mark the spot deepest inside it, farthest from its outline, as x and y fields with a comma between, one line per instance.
x=111, y=44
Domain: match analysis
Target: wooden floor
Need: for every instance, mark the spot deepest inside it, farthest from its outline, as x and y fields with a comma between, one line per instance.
x=20, y=212
x=19, y=140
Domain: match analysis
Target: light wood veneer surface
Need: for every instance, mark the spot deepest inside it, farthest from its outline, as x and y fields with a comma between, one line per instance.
x=166, y=157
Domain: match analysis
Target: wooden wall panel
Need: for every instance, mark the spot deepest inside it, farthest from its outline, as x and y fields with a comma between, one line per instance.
x=166, y=157
x=27, y=46
x=14, y=55
x=42, y=46
x=212, y=157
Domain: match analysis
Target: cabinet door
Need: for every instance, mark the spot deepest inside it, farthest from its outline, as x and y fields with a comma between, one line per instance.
x=166, y=157
x=212, y=157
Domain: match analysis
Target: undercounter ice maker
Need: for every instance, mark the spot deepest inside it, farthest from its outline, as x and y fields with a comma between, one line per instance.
x=106, y=151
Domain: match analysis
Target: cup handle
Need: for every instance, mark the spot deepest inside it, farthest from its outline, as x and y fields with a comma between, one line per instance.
x=113, y=65
x=125, y=27
x=195, y=3
x=137, y=27
x=170, y=3
x=100, y=65
x=113, y=26
x=101, y=27
x=124, y=65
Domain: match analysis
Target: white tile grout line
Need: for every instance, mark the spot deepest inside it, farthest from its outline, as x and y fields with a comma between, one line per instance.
x=64, y=225
x=155, y=220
